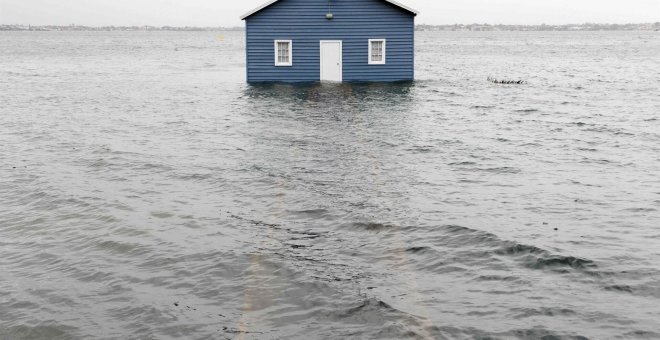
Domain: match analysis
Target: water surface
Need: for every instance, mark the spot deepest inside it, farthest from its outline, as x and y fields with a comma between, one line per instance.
x=147, y=192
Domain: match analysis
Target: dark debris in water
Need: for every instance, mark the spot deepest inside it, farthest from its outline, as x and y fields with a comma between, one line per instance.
x=416, y=250
x=238, y=331
x=506, y=81
x=298, y=246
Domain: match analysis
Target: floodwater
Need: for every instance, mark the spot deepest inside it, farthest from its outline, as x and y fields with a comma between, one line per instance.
x=148, y=192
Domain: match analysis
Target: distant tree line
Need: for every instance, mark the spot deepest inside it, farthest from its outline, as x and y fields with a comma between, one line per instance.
x=456, y=27
x=543, y=27
x=114, y=28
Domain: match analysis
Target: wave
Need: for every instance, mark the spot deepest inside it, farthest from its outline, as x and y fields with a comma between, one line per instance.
x=620, y=288
x=642, y=335
x=372, y=226
x=562, y=261
x=391, y=323
x=521, y=313
x=475, y=245
x=51, y=332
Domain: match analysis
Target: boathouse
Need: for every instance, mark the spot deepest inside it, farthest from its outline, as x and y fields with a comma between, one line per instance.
x=330, y=40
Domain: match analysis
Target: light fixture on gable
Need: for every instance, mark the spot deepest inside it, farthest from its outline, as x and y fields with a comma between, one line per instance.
x=329, y=15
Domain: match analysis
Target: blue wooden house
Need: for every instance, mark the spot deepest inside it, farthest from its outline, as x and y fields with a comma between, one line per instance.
x=330, y=40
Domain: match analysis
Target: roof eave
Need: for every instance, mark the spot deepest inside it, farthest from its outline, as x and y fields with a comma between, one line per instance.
x=254, y=11
x=403, y=7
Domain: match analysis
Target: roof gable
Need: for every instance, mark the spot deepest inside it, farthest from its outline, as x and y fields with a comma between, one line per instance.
x=271, y=2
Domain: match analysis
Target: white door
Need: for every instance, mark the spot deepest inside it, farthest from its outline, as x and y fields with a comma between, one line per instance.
x=331, y=61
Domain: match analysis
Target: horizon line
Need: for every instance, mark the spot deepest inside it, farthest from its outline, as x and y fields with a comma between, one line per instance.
x=235, y=26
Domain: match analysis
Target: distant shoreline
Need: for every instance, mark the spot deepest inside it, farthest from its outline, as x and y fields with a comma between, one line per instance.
x=457, y=27
x=542, y=27
x=115, y=28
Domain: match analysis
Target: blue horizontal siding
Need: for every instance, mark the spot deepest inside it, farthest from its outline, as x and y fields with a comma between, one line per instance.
x=354, y=23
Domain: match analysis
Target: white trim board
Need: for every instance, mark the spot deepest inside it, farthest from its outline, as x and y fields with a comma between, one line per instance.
x=254, y=11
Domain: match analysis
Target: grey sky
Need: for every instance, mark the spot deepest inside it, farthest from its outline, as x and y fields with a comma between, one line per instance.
x=226, y=13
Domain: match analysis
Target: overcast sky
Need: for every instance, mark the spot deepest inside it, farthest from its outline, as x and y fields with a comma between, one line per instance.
x=226, y=12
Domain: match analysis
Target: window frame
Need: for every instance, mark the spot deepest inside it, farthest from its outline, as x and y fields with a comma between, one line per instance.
x=277, y=53
x=370, y=55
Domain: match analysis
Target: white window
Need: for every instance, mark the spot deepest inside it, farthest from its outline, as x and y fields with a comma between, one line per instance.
x=376, y=51
x=283, y=53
